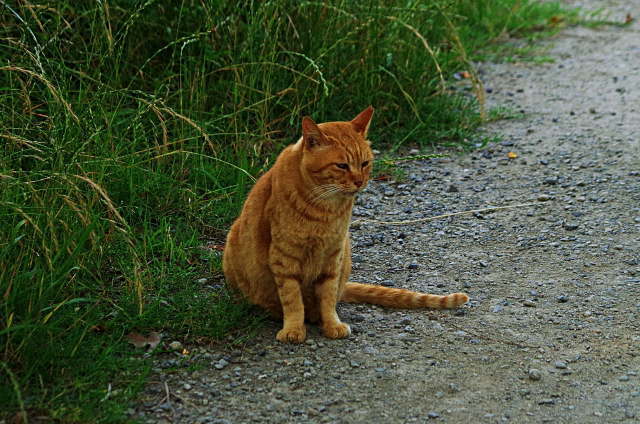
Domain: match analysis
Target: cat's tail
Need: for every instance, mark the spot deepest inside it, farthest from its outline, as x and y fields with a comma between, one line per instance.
x=400, y=298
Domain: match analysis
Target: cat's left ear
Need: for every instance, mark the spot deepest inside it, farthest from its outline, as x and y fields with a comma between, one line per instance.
x=362, y=121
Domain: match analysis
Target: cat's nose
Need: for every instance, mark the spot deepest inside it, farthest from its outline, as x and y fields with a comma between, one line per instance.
x=358, y=183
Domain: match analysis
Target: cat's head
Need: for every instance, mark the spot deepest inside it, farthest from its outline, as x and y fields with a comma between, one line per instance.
x=337, y=156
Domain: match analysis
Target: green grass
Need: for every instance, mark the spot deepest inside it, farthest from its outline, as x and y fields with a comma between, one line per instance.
x=131, y=131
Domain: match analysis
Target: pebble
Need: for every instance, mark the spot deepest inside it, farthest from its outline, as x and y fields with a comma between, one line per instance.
x=562, y=298
x=534, y=374
x=221, y=364
x=433, y=415
x=530, y=303
x=571, y=226
x=370, y=350
x=623, y=378
x=561, y=365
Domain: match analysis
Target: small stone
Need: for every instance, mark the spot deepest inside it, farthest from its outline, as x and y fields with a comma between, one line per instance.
x=413, y=266
x=571, y=226
x=562, y=298
x=547, y=402
x=629, y=414
x=561, y=365
x=307, y=363
x=221, y=364
x=551, y=180
x=175, y=345
x=623, y=378
x=534, y=374
x=433, y=415
x=483, y=264
x=370, y=350
x=186, y=386
x=452, y=189
x=497, y=308
x=530, y=303
x=544, y=198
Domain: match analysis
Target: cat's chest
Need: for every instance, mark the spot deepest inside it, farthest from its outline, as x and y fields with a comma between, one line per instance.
x=317, y=244
x=316, y=252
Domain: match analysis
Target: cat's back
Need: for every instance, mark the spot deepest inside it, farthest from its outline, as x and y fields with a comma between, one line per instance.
x=245, y=259
x=251, y=230
x=261, y=197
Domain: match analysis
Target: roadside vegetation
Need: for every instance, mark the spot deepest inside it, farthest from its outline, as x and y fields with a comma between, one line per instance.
x=131, y=131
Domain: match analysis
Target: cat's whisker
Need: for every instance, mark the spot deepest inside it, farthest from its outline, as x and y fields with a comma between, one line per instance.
x=329, y=192
x=322, y=187
x=323, y=191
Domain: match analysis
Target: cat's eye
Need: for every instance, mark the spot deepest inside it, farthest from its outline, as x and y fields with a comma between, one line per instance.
x=365, y=163
x=342, y=165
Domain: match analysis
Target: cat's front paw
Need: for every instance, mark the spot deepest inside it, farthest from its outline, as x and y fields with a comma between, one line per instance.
x=338, y=330
x=292, y=335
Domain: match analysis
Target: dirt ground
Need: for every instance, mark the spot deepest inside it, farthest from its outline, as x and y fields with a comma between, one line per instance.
x=552, y=331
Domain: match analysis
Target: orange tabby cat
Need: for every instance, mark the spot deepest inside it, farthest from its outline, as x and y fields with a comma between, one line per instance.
x=289, y=250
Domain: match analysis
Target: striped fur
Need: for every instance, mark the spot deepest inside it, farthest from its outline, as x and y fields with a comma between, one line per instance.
x=400, y=298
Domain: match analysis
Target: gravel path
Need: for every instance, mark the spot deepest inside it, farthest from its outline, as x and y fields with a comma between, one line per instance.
x=552, y=333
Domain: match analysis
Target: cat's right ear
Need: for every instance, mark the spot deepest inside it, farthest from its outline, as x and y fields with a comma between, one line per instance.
x=311, y=134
